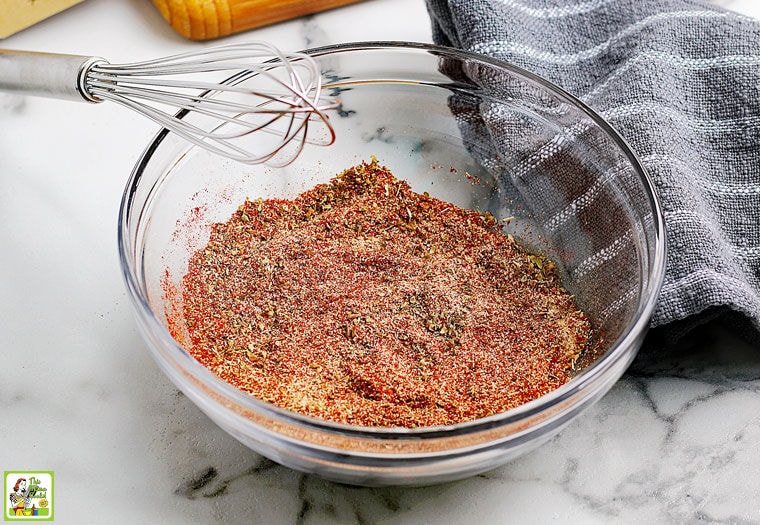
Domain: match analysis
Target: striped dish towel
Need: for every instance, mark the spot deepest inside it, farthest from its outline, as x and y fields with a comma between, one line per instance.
x=680, y=80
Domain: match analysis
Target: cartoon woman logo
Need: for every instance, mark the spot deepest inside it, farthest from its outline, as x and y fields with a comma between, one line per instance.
x=21, y=503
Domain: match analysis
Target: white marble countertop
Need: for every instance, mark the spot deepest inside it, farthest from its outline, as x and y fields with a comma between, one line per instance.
x=80, y=395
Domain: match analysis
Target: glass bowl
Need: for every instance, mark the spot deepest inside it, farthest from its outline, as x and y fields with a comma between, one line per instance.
x=468, y=129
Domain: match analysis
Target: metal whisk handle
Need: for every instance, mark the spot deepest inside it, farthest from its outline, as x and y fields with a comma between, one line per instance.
x=49, y=75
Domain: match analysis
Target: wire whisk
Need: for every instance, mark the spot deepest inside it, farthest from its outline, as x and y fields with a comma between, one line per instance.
x=249, y=102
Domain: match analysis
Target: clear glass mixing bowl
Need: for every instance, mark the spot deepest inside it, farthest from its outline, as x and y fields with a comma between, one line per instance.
x=465, y=128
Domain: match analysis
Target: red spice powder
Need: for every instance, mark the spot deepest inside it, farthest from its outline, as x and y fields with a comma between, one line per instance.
x=363, y=302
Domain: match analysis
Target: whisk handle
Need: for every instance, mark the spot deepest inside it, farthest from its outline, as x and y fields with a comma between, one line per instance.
x=49, y=75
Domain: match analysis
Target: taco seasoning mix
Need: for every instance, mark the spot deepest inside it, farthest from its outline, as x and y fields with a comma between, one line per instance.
x=363, y=302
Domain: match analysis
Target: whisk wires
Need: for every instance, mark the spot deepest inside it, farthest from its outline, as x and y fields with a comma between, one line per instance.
x=249, y=102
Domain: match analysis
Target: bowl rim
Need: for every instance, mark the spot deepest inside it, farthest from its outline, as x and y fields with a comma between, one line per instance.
x=608, y=360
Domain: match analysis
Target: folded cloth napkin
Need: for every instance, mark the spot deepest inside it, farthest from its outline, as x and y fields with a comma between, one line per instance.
x=680, y=81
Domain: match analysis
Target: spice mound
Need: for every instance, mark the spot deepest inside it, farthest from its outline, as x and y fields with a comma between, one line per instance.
x=363, y=302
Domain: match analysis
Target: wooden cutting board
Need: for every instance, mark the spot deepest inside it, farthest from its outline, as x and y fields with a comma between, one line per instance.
x=16, y=15
x=206, y=19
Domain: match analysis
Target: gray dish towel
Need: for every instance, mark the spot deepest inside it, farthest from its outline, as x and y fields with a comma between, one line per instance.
x=680, y=80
